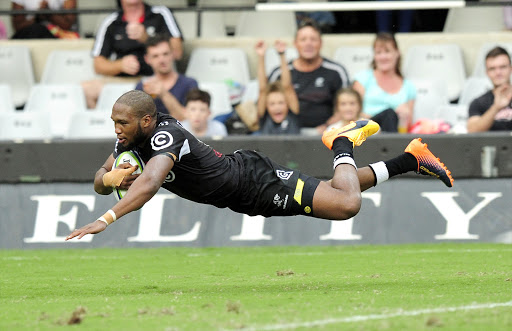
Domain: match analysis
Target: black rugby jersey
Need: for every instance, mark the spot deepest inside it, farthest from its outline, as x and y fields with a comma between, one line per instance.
x=315, y=90
x=112, y=41
x=200, y=173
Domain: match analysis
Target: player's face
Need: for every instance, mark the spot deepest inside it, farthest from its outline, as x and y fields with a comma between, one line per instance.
x=277, y=107
x=198, y=113
x=498, y=69
x=348, y=107
x=308, y=43
x=127, y=126
x=386, y=56
x=159, y=57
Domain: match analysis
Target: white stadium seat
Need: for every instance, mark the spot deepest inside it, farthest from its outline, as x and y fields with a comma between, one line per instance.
x=251, y=92
x=275, y=24
x=218, y=65
x=354, y=58
x=16, y=70
x=456, y=115
x=474, y=19
x=91, y=125
x=473, y=88
x=69, y=97
x=64, y=67
x=110, y=93
x=220, y=102
x=430, y=97
x=430, y=62
x=273, y=61
x=23, y=125
x=6, y=104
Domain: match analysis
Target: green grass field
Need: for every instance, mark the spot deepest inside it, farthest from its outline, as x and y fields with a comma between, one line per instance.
x=401, y=287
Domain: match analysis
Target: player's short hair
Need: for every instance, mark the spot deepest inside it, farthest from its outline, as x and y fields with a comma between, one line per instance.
x=198, y=95
x=308, y=23
x=157, y=39
x=497, y=51
x=140, y=102
x=386, y=37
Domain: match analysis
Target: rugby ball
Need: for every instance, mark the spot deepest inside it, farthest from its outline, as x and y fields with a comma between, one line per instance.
x=128, y=157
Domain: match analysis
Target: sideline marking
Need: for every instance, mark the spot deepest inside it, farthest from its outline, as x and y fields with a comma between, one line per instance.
x=362, y=318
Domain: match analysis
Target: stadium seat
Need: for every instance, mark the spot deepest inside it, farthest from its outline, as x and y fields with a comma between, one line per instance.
x=23, y=125
x=276, y=24
x=251, y=92
x=218, y=65
x=429, y=62
x=91, y=125
x=354, y=58
x=272, y=60
x=479, y=68
x=52, y=97
x=231, y=17
x=6, y=104
x=17, y=72
x=64, y=67
x=60, y=101
x=456, y=115
x=473, y=88
x=474, y=19
x=220, y=103
x=430, y=96
x=212, y=25
x=110, y=93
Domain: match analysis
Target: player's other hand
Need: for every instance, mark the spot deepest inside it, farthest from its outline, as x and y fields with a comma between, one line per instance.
x=91, y=228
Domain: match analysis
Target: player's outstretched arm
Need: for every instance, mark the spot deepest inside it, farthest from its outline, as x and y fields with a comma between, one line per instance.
x=142, y=189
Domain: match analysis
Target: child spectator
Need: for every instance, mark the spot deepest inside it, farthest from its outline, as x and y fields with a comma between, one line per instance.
x=347, y=108
x=197, y=114
x=278, y=104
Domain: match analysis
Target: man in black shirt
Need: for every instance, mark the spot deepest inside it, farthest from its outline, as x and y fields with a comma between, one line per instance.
x=245, y=181
x=315, y=79
x=493, y=110
x=119, y=46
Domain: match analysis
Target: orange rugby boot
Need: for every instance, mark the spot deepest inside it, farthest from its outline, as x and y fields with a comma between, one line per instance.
x=428, y=164
x=356, y=132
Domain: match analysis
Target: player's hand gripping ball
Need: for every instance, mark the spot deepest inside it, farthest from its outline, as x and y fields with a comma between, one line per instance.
x=128, y=157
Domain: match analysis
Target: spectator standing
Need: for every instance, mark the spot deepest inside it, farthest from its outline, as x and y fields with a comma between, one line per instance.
x=198, y=113
x=493, y=110
x=315, y=79
x=347, y=108
x=278, y=105
x=388, y=98
x=119, y=47
x=167, y=87
x=44, y=26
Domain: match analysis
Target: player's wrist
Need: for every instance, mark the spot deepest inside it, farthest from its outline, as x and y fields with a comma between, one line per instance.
x=108, y=218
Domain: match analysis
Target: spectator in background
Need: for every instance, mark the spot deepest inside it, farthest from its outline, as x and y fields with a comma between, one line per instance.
x=119, y=46
x=315, y=79
x=167, y=87
x=347, y=108
x=384, y=20
x=388, y=98
x=493, y=110
x=44, y=26
x=278, y=105
x=198, y=113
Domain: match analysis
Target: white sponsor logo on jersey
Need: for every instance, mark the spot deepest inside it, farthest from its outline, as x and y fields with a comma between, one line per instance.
x=284, y=174
x=161, y=140
x=170, y=177
x=319, y=82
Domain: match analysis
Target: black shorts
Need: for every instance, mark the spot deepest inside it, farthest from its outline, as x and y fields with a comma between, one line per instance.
x=270, y=189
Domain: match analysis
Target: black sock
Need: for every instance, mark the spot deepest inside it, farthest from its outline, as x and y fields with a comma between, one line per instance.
x=401, y=164
x=342, y=146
